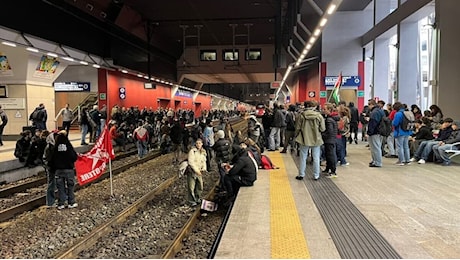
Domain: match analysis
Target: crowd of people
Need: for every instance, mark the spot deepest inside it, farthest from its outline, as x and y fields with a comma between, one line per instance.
x=322, y=133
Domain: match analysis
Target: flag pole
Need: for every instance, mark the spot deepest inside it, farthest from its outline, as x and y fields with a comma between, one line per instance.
x=109, y=138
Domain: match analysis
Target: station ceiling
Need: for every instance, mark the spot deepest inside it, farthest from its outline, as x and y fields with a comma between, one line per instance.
x=119, y=30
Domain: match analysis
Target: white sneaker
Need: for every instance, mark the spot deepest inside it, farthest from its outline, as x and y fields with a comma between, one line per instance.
x=71, y=206
x=421, y=161
x=61, y=207
x=413, y=159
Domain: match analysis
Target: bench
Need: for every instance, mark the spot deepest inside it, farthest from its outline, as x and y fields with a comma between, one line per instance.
x=453, y=154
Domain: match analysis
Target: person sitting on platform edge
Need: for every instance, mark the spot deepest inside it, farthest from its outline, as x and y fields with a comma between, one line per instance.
x=242, y=173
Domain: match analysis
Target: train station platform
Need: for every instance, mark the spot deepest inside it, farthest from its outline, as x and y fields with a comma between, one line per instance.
x=390, y=212
x=9, y=164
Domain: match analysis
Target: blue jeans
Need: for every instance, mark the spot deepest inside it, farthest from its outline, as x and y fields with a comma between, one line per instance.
x=375, y=143
x=402, y=142
x=341, y=147
x=425, y=149
x=51, y=190
x=315, y=153
x=274, y=138
x=391, y=144
x=141, y=148
x=440, y=152
x=84, y=132
x=65, y=180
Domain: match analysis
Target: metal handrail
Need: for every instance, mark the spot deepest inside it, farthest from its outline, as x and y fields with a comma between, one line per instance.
x=76, y=110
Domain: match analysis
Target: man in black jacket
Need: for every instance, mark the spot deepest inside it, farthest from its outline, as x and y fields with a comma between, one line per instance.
x=222, y=149
x=242, y=173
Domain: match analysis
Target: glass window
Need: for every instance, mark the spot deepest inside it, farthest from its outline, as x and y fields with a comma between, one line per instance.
x=208, y=55
x=230, y=55
x=253, y=54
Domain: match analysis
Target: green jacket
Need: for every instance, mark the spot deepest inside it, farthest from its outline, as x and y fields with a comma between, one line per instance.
x=308, y=127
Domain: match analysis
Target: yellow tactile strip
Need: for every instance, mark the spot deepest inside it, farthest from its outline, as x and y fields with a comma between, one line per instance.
x=287, y=237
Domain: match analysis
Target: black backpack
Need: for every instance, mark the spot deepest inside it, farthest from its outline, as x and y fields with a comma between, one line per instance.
x=408, y=123
x=385, y=126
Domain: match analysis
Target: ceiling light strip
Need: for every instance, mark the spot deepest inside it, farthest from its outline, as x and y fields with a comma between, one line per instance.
x=317, y=32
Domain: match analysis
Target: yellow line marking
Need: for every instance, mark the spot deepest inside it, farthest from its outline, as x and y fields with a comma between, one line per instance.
x=287, y=237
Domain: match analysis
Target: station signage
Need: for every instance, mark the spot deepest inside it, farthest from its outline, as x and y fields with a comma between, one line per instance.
x=72, y=86
x=183, y=93
x=347, y=81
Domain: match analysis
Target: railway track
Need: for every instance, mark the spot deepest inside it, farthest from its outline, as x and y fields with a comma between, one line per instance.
x=55, y=232
x=40, y=200
x=31, y=192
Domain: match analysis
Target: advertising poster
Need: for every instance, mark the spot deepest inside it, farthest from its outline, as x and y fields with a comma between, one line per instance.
x=5, y=68
x=46, y=67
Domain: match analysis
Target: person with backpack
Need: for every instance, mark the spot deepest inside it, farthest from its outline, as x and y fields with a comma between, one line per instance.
x=308, y=128
x=290, y=129
x=3, y=122
x=50, y=170
x=39, y=117
x=401, y=134
x=373, y=134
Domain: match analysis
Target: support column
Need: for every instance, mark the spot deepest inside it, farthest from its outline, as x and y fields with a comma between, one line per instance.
x=381, y=69
x=448, y=76
x=409, y=86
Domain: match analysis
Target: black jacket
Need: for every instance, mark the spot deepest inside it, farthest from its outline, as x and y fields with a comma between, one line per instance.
x=64, y=156
x=222, y=148
x=245, y=168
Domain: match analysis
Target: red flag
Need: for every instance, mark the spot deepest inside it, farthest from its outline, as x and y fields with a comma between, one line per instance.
x=91, y=165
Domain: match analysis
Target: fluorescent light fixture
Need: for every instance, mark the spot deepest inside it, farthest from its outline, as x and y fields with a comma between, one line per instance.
x=302, y=56
x=304, y=52
x=157, y=80
x=331, y=8
x=162, y=81
x=52, y=54
x=9, y=44
x=124, y=71
x=297, y=63
x=308, y=47
x=83, y=62
x=96, y=66
x=68, y=59
x=146, y=77
x=31, y=49
x=317, y=32
x=140, y=75
x=323, y=22
x=312, y=40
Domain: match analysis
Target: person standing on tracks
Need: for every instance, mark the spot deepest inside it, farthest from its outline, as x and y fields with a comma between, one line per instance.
x=50, y=171
x=141, y=135
x=208, y=142
x=177, y=133
x=64, y=157
x=308, y=128
x=67, y=116
x=197, y=162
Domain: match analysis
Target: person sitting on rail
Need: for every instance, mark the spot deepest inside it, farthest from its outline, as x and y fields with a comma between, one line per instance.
x=23, y=146
x=243, y=172
x=197, y=161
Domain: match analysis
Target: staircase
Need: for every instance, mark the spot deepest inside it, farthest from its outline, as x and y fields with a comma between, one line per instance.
x=89, y=102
